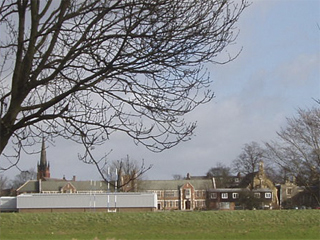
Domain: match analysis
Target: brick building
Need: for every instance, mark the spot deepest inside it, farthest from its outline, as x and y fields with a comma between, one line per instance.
x=186, y=194
x=254, y=190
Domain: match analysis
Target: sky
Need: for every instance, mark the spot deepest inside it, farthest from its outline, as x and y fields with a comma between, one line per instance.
x=277, y=72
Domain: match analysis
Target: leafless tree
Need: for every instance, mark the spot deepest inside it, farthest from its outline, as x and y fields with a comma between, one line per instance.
x=219, y=170
x=23, y=177
x=248, y=161
x=83, y=70
x=297, y=150
x=123, y=174
x=177, y=177
x=221, y=173
x=3, y=182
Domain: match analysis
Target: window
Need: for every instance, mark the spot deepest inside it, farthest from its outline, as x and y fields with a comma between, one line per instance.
x=187, y=193
x=200, y=193
x=224, y=195
x=268, y=195
x=213, y=195
x=256, y=195
x=235, y=195
x=170, y=193
x=289, y=191
x=159, y=194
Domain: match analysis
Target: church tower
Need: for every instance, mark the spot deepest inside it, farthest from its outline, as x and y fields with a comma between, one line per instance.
x=43, y=165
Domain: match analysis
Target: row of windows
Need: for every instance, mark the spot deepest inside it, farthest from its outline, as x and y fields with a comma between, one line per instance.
x=175, y=193
x=200, y=193
x=69, y=191
x=200, y=204
x=175, y=204
x=167, y=193
x=170, y=204
x=266, y=195
x=236, y=195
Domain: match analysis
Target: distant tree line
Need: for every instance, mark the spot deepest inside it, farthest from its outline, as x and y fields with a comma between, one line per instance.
x=294, y=155
x=18, y=180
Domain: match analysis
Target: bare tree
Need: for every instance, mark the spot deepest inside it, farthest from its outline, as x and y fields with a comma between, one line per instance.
x=219, y=170
x=23, y=177
x=248, y=201
x=221, y=173
x=297, y=150
x=248, y=161
x=123, y=174
x=177, y=177
x=83, y=70
x=3, y=182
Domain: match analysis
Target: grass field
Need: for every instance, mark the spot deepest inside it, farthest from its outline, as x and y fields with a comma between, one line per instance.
x=292, y=224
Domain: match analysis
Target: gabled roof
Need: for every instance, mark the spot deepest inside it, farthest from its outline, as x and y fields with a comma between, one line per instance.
x=198, y=184
x=79, y=185
x=29, y=186
x=56, y=185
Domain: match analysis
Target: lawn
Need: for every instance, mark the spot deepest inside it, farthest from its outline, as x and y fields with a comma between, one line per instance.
x=291, y=224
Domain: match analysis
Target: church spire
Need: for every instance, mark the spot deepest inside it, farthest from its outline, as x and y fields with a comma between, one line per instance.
x=43, y=165
x=43, y=156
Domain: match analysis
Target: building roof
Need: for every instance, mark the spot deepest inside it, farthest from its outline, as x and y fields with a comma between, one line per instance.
x=227, y=190
x=29, y=186
x=198, y=184
x=32, y=186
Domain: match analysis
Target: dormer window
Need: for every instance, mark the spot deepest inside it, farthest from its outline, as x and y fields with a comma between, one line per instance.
x=68, y=188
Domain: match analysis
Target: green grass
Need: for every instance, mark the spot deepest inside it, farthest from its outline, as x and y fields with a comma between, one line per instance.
x=293, y=224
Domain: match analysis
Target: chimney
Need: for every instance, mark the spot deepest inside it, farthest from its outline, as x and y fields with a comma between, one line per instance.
x=188, y=176
x=40, y=186
x=74, y=178
x=214, y=183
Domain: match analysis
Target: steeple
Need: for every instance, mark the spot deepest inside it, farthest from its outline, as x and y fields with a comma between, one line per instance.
x=43, y=165
x=43, y=157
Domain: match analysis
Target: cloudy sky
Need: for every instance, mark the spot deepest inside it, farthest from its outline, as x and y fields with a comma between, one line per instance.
x=277, y=72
